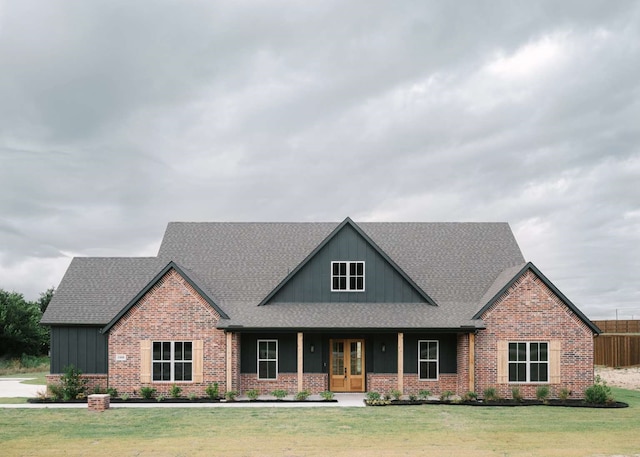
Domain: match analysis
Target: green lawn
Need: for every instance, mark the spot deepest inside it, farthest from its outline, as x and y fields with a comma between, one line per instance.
x=390, y=431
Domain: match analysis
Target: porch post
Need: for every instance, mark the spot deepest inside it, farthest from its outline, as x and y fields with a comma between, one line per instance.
x=401, y=362
x=472, y=362
x=229, y=361
x=300, y=360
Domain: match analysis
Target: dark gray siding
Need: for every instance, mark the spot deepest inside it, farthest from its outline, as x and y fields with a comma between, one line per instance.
x=312, y=284
x=83, y=347
x=287, y=351
x=448, y=348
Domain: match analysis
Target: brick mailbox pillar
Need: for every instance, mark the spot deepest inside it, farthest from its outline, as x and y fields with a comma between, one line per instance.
x=99, y=402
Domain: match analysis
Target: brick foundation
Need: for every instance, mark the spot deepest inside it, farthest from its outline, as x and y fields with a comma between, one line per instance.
x=314, y=382
x=95, y=382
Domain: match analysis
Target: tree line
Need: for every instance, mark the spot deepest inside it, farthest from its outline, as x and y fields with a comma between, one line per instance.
x=20, y=329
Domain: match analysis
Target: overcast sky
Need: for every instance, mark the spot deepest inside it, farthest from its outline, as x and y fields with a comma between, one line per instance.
x=117, y=117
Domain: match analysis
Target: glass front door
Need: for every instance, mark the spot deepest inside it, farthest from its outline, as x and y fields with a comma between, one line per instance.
x=347, y=365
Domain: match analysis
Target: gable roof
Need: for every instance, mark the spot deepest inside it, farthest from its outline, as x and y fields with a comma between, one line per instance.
x=331, y=236
x=240, y=264
x=189, y=277
x=507, y=279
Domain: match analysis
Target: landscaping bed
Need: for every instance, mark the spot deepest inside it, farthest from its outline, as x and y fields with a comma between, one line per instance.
x=505, y=402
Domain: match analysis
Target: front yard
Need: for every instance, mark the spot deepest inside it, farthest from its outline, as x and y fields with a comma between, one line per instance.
x=414, y=430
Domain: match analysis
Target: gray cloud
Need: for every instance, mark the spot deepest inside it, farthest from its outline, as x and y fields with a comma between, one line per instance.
x=118, y=117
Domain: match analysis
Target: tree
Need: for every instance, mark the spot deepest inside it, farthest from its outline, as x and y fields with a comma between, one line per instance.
x=20, y=329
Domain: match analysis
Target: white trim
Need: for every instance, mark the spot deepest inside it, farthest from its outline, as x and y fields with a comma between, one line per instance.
x=348, y=276
x=527, y=362
x=171, y=361
x=258, y=359
x=436, y=360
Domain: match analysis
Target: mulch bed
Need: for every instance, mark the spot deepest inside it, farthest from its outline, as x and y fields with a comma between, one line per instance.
x=565, y=403
x=180, y=400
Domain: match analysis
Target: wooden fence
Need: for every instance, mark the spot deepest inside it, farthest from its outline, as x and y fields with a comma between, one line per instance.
x=615, y=326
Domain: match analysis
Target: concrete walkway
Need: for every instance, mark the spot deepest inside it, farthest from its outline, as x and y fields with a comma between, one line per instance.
x=13, y=388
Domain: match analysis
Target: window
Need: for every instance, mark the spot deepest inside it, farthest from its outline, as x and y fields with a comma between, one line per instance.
x=347, y=276
x=172, y=360
x=528, y=362
x=428, y=360
x=267, y=359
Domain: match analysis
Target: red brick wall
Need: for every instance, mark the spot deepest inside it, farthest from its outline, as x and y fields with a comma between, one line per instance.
x=529, y=311
x=314, y=382
x=171, y=311
x=94, y=381
x=462, y=386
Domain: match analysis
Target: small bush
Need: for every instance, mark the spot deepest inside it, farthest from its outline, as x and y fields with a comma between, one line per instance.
x=424, y=394
x=55, y=390
x=599, y=393
x=252, y=394
x=470, y=396
x=175, y=391
x=446, y=395
x=327, y=395
x=192, y=396
x=73, y=384
x=372, y=396
x=491, y=394
x=160, y=398
x=231, y=395
x=542, y=393
x=147, y=392
x=279, y=394
x=564, y=394
x=212, y=391
x=301, y=396
x=396, y=394
x=124, y=397
x=113, y=393
x=413, y=397
x=516, y=394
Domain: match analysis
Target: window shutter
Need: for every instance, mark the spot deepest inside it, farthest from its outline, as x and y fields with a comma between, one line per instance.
x=198, y=360
x=145, y=361
x=503, y=362
x=554, y=361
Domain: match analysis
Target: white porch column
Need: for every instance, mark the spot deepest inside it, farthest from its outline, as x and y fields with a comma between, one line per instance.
x=401, y=362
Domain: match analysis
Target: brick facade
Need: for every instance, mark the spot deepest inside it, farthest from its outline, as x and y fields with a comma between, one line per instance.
x=170, y=311
x=314, y=382
x=530, y=311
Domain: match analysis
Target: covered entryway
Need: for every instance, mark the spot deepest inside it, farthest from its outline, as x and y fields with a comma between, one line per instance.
x=347, y=365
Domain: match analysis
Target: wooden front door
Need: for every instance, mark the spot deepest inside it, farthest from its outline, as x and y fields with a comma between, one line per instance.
x=347, y=365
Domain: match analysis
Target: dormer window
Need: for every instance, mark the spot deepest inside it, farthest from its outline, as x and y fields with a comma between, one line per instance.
x=347, y=276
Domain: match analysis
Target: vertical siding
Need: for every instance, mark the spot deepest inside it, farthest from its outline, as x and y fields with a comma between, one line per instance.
x=83, y=347
x=312, y=284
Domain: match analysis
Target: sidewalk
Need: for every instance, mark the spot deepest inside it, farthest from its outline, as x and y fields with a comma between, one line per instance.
x=13, y=387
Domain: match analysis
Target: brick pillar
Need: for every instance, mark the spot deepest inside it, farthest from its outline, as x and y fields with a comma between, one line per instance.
x=99, y=402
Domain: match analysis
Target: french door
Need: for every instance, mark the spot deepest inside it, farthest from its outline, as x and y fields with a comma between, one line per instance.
x=347, y=365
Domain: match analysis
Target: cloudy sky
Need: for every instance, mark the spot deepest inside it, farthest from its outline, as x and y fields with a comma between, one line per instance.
x=119, y=116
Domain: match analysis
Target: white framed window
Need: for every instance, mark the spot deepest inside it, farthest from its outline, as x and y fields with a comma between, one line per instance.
x=172, y=361
x=267, y=359
x=347, y=276
x=529, y=361
x=428, y=360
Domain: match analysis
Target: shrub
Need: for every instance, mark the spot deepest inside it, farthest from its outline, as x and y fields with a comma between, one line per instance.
x=446, y=395
x=542, y=393
x=303, y=395
x=564, y=394
x=327, y=395
x=252, y=394
x=175, y=391
x=396, y=394
x=124, y=397
x=491, y=394
x=424, y=394
x=212, y=391
x=147, y=392
x=160, y=398
x=113, y=393
x=279, y=394
x=470, y=396
x=516, y=394
x=73, y=384
x=55, y=390
x=413, y=397
x=231, y=395
x=599, y=393
x=191, y=396
x=372, y=396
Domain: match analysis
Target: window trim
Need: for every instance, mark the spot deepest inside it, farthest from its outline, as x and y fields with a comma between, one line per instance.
x=258, y=359
x=172, y=361
x=528, y=362
x=436, y=360
x=348, y=275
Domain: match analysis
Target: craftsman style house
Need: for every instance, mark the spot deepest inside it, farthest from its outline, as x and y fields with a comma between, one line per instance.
x=344, y=307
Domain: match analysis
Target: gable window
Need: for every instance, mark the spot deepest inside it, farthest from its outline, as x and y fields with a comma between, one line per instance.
x=347, y=276
x=267, y=359
x=428, y=359
x=172, y=361
x=528, y=362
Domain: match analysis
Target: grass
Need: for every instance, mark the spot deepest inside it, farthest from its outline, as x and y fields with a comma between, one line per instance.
x=23, y=365
x=390, y=431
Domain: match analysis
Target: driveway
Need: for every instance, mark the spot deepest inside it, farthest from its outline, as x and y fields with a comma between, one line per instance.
x=13, y=387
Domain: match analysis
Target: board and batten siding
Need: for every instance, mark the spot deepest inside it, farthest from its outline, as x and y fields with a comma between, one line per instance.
x=83, y=347
x=312, y=283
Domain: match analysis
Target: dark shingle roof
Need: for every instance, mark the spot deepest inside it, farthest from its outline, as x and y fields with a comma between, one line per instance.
x=241, y=263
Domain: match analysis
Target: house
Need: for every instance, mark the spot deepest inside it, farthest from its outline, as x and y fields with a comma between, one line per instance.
x=346, y=307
